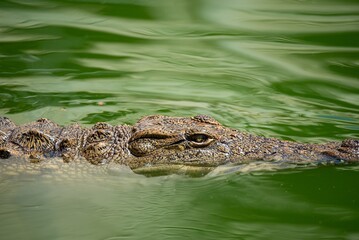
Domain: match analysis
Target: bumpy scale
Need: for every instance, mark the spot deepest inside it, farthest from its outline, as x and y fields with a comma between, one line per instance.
x=161, y=140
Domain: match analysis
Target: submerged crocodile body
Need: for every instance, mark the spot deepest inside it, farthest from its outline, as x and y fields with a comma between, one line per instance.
x=198, y=141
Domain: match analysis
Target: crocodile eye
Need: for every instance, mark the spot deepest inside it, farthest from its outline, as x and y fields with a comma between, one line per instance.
x=199, y=140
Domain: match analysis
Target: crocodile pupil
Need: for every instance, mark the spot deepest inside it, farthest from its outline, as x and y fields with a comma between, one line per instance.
x=198, y=138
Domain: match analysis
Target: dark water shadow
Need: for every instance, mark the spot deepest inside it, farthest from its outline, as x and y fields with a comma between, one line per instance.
x=15, y=100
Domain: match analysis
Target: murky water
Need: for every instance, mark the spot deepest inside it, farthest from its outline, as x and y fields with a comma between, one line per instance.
x=286, y=69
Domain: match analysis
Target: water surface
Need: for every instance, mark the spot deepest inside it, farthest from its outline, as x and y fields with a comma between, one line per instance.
x=279, y=68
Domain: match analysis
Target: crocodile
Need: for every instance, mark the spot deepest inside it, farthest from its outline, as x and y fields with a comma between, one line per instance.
x=162, y=141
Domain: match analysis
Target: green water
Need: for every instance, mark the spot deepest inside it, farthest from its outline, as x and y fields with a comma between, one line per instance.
x=286, y=69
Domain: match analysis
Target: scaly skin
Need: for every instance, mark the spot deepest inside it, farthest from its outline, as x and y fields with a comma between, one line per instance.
x=162, y=141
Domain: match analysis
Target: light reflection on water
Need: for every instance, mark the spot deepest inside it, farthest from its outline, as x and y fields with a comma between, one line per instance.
x=285, y=69
x=114, y=204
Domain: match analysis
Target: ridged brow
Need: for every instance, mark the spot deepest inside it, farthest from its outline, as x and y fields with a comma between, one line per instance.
x=151, y=134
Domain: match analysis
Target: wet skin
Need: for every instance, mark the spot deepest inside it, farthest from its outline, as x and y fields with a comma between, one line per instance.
x=198, y=141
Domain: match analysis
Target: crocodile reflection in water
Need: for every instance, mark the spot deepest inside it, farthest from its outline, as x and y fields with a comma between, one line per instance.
x=198, y=141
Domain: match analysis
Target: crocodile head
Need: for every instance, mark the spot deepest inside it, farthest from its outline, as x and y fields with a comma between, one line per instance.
x=170, y=141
